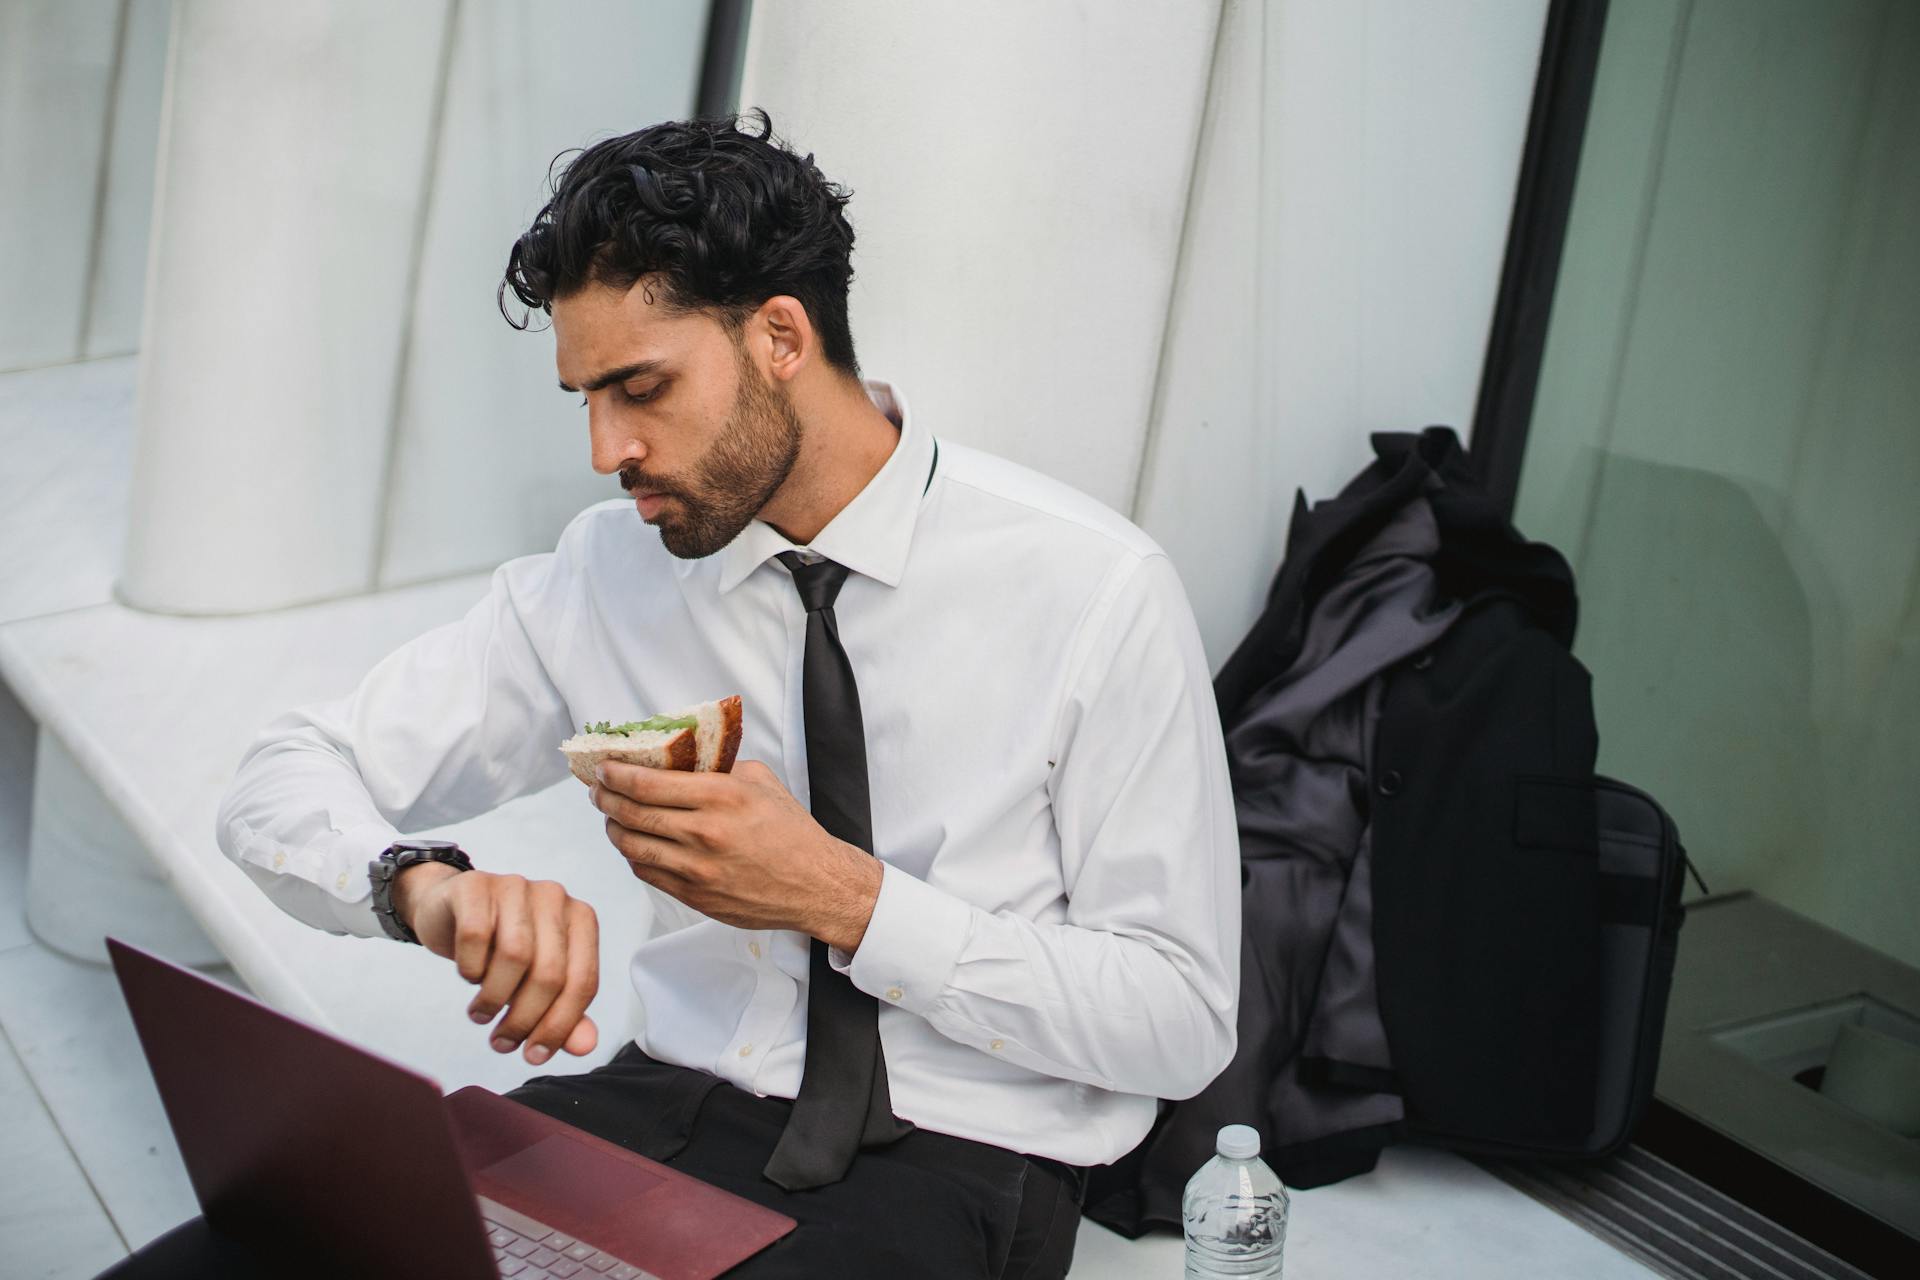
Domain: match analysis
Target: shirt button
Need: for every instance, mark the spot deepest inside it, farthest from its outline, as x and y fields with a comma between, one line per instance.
x=894, y=993
x=753, y=949
x=342, y=881
x=997, y=1045
x=746, y=1051
x=279, y=859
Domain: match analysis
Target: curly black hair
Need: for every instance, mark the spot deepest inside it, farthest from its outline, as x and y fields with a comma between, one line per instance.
x=726, y=218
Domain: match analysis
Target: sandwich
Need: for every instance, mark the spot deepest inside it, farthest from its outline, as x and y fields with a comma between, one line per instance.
x=700, y=739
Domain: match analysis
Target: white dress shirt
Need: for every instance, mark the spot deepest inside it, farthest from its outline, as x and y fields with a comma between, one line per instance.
x=1056, y=940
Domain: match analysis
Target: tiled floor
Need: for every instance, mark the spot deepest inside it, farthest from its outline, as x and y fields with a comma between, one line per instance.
x=55, y=1220
x=52, y=1224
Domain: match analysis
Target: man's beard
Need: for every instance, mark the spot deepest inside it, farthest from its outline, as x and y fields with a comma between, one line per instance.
x=735, y=478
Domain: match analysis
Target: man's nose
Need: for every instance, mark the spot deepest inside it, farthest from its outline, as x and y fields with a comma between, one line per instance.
x=612, y=446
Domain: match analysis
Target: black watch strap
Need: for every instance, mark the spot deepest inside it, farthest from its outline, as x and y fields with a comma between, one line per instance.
x=397, y=857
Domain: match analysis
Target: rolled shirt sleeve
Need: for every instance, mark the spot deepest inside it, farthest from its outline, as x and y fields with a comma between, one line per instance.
x=453, y=723
x=1137, y=989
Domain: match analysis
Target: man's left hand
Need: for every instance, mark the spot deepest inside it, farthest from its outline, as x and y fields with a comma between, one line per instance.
x=739, y=848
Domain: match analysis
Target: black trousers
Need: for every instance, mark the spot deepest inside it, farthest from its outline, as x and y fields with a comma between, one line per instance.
x=929, y=1205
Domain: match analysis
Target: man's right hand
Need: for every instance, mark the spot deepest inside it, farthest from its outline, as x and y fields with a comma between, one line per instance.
x=534, y=950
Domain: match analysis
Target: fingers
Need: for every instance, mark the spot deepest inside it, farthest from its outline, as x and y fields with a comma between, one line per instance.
x=647, y=819
x=582, y=1039
x=581, y=983
x=512, y=949
x=668, y=788
x=534, y=951
x=662, y=864
x=545, y=974
x=473, y=920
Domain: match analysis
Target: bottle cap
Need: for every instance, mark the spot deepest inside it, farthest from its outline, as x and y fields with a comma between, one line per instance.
x=1238, y=1142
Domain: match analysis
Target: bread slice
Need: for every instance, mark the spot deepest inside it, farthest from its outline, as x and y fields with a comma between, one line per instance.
x=665, y=749
x=709, y=748
x=718, y=737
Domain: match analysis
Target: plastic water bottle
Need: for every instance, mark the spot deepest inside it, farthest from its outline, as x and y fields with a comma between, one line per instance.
x=1234, y=1212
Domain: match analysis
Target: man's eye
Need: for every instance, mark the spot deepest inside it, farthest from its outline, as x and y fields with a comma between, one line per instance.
x=652, y=393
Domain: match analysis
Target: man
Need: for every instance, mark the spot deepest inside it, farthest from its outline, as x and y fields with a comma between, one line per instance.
x=968, y=903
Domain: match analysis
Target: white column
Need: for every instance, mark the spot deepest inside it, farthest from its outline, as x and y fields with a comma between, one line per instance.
x=294, y=150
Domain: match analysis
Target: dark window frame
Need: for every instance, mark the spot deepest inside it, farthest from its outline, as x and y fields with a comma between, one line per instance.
x=1536, y=234
x=725, y=47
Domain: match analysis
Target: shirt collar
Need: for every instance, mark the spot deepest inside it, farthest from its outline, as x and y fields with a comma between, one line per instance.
x=871, y=534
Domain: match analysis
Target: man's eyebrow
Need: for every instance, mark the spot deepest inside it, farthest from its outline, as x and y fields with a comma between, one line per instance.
x=638, y=369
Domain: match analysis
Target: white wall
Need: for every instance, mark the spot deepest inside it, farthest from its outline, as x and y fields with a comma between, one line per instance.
x=56, y=74
x=79, y=102
x=119, y=271
x=1051, y=258
x=1020, y=176
x=492, y=458
x=1024, y=197
x=1339, y=270
x=330, y=401
x=293, y=154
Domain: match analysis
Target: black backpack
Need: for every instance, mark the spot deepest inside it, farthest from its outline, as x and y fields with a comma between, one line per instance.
x=1524, y=912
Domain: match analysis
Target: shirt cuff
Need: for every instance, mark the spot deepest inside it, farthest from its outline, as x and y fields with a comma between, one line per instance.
x=349, y=889
x=911, y=945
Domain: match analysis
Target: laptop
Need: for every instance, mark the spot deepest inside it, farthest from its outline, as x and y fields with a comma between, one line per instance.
x=299, y=1145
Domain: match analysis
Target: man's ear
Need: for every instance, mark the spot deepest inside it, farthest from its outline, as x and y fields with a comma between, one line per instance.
x=790, y=342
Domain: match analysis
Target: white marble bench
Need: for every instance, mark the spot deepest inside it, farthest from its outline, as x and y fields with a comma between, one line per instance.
x=153, y=712
x=142, y=718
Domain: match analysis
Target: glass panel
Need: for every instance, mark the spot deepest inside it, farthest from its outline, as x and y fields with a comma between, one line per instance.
x=1726, y=442
x=1726, y=445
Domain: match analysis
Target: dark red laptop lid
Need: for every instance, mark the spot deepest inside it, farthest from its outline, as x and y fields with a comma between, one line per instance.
x=295, y=1139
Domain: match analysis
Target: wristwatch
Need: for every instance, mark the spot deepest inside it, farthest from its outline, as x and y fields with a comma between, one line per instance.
x=394, y=859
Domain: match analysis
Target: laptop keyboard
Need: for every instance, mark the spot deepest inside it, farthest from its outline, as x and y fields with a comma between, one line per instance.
x=529, y=1250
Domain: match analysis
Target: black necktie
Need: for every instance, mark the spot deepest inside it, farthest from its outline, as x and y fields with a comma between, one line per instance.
x=843, y=1103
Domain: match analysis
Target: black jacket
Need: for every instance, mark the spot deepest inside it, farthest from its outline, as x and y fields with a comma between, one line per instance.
x=1412, y=749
